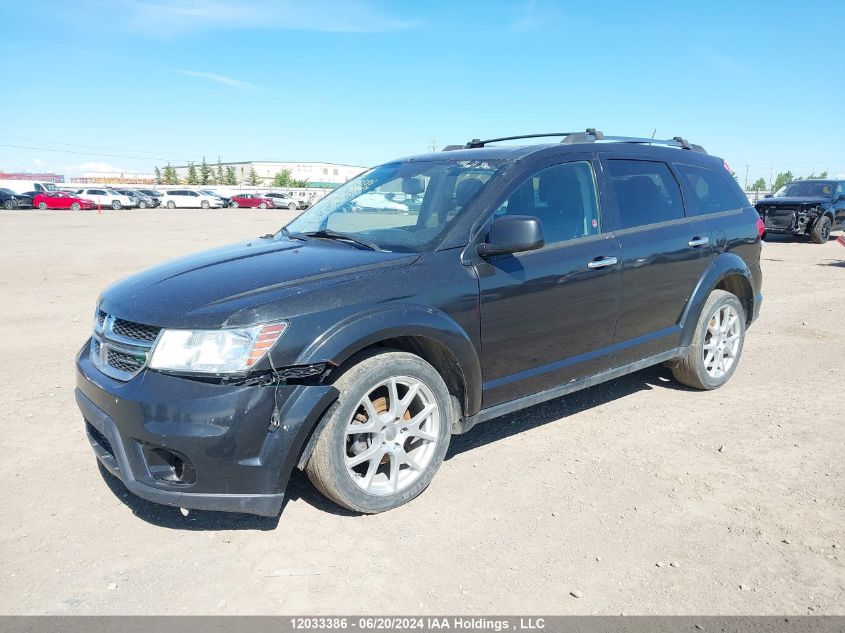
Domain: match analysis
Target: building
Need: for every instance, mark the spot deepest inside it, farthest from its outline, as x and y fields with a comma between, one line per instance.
x=45, y=177
x=113, y=178
x=318, y=175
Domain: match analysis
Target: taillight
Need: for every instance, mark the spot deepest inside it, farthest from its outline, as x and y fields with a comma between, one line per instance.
x=761, y=228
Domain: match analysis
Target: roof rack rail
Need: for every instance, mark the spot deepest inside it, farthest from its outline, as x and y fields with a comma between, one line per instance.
x=476, y=143
x=591, y=135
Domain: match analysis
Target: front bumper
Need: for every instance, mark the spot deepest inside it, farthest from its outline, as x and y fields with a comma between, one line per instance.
x=222, y=432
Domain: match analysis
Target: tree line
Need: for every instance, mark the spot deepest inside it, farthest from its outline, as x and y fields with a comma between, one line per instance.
x=218, y=175
x=783, y=178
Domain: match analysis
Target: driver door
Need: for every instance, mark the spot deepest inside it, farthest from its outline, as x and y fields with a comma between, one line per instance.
x=548, y=315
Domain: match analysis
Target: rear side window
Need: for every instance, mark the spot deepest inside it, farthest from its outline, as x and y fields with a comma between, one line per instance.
x=646, y=192
x=707, y=192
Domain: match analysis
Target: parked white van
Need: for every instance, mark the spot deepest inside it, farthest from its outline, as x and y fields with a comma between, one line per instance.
x=23, y=186
x=173, y=198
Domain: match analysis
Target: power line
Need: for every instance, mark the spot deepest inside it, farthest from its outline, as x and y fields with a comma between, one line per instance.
x=100, y=154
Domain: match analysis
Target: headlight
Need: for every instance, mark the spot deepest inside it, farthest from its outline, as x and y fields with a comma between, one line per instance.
x=229, y=351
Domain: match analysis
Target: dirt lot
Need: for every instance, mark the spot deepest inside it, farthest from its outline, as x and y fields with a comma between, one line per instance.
x=639, y=495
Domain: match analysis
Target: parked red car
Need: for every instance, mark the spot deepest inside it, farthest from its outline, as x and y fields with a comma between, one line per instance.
x=252, y=200
x=60, y=200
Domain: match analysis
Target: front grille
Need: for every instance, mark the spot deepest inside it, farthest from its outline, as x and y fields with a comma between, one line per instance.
x=136, y=331
x=124, y=362
x=120, y=348
x=99, y=438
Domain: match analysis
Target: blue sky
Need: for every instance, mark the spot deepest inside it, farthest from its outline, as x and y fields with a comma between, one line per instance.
x=129, y=84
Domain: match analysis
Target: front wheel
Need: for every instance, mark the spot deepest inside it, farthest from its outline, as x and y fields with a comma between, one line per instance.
x=9, y=205
x=42, y=206
x=75, y=206
x=821, y=230
x=116, y=205
x=204, y=204
x=292, y=206
x=233, y=204
x=386, y=435
x=142, y=205
x=171, y=204
x=717, y=344
x=263, y=205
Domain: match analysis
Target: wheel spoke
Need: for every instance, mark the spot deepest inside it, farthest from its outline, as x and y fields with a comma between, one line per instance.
x=411, y=463
x=394, y=472
x=408, y=399
x=415, y=422
x=367, y=479
x=393, y=397
x=363, y=456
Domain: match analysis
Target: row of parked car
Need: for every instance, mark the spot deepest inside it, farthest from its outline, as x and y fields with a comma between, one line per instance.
x=124, y=198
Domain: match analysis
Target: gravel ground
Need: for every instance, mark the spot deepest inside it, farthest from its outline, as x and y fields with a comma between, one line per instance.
x=638, y=496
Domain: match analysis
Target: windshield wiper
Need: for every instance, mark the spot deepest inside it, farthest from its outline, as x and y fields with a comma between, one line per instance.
x=328, y=234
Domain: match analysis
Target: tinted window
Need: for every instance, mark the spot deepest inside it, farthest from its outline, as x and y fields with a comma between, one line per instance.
x=646, y=192
x=563, y=197
x=706, y=191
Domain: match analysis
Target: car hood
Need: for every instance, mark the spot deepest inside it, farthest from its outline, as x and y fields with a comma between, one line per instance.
x=790, y=202
x=209, y=289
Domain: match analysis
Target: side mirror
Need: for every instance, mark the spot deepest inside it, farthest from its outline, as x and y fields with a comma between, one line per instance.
x=512, y=234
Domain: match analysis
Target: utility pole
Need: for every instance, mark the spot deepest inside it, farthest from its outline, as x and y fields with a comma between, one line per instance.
x=771, y=174
x=434, y=145
x=746, y=177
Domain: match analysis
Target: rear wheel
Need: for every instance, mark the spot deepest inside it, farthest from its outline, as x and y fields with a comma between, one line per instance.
x=204, y=204
x=42, y=205
x=263, y=205
x=116, y=205
x=74, y=206
x=142, y=205
x=9, y=205
x=171, y=204
x=821, y=230
x=717, y=345
x=292, y=206
x=386, y=435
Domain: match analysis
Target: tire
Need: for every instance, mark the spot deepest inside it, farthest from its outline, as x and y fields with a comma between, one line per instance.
x=116, y=205
x=263, y=205
x=9, y=205
x=171, y=204
x=204, y=204
x=233, y=204
x=821, y=230
x=692, y=370
x=379, y=487
x=142, y=205
x=293, y=206
x=42, y=206
x=75, y=206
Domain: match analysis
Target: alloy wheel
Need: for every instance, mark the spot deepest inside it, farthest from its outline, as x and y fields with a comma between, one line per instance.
x=721, y=341
x=392, y=436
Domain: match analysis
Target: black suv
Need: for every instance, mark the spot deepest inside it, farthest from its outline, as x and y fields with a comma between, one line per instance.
x=353, y=343
x=805, y=207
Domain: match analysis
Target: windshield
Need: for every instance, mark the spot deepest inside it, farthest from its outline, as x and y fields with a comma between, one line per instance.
x=404, y=207
x=806, y=189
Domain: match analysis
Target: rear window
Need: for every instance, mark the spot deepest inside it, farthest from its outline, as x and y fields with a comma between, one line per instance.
x=706, y=191
x=646, y=192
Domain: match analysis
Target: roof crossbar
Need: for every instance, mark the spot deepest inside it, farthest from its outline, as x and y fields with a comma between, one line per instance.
x=591, y=135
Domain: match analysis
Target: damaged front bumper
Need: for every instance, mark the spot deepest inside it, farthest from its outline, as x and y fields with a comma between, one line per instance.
x=200, y=445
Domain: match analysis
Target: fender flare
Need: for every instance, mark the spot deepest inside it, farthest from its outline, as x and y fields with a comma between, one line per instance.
x=724, y=265
x=348, y=337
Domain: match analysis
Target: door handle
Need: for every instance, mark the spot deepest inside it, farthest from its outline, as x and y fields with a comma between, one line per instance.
x=699, y=241
x=602, y=262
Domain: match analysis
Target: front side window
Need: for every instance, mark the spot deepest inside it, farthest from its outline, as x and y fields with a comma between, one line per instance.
x=403, y=207
x=563, y=197
x=708, y=193
x=646, y=192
